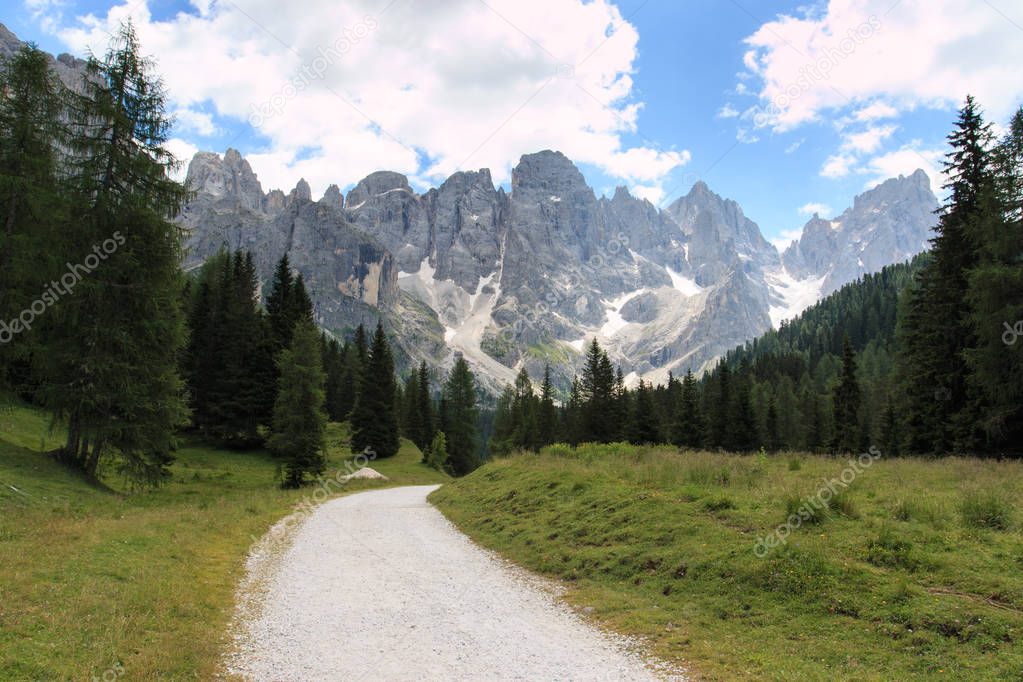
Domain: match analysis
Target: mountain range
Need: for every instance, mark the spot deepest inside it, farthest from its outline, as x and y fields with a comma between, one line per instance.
x=518, y=278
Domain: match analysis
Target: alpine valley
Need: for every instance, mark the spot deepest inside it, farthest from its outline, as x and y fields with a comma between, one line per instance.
x=518, y=278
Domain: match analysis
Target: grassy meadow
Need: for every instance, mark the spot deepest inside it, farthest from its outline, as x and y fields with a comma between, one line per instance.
x=915, y=571
x=99, y=582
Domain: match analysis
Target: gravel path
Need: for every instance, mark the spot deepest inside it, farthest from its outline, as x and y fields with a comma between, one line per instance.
x=380, y=586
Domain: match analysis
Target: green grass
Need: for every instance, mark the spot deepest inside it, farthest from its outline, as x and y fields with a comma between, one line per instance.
x=138, y=586
x=897, y=578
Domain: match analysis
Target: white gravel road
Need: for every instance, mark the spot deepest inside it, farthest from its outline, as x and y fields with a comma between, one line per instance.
x=380, y=586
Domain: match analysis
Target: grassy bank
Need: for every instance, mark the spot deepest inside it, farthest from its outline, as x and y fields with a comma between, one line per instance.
x=914, y=571
x=100, y=581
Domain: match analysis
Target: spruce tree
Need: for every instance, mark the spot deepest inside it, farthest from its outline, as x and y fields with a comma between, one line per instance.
x=299, y=420
x=524, y=409
x=846, y=402
x=937, y=326
x=995, y=296
x=771, y=426
x=547, y=417
x=600, y=422
x=643, y=427
x=720, y=415
x=741, y=435
x=374, y=423
x=572, y=417
x=32, y=204
x=502, y=439
x=412, y=425
x=278, y=304
x=688, y=428
x=425, y=404
x=461, y=417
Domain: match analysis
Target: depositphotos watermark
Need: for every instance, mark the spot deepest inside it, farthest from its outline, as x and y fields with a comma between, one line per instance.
x=65, y=286
x=312, y=71
x=818, y=70
x=323, y=490
x=1012, y=333
x=111, y=674
x=816, y=503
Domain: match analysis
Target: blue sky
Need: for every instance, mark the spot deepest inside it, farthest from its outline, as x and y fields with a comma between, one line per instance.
x=785, y=107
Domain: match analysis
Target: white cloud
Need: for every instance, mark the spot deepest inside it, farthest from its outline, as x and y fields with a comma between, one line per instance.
x=183, y=151
x=423, y=88
x=198, y=122
x=885, y=56
x=838, y=166
x=875, y=111
x=746, y=136
x=822, y=210
x=652, y=193
x=904, y=161
x=728, y=111
x=867, y=141
x=782, y=241
x=795, y=145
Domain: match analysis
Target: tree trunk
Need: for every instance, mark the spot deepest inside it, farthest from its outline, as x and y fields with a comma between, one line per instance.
x=70, y=452
x=93, y=458
x=7, y=249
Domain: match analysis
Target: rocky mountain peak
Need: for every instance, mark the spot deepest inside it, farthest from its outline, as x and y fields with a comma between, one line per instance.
x=375, y=184
x=547, y=170
x=333, y=197
x=229, y=178
x=886, y=224
x=302, y=192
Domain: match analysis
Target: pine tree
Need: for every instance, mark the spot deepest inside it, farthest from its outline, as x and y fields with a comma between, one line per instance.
x=411, y=424
x=572, y=415
x=721, y=410
x=461, y=417
x=32, y=204
x=524, y=409
x=688, y=427
x=741, y=435
x=425, y=404
x=771, y=427
x=937, y=326
x=351, y=368
x=502, y=439
x=299, y=421
x=597, y=394
x=846, y=402
x=374, y=423
x=334, y=368
x=547, y=417
x=890, y=437
x=361, y=345
x=278, y=305
x=643, y=427
x=995, y=296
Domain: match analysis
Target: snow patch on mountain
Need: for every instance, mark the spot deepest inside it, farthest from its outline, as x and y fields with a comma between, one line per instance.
x=615, y=322
x=686, y=285
x=792, y=296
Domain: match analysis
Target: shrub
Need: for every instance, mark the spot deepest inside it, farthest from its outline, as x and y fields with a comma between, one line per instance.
x=795, y=465
x=720, y=503
x=817, y=510
x=888, y=550
x=985, y=510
